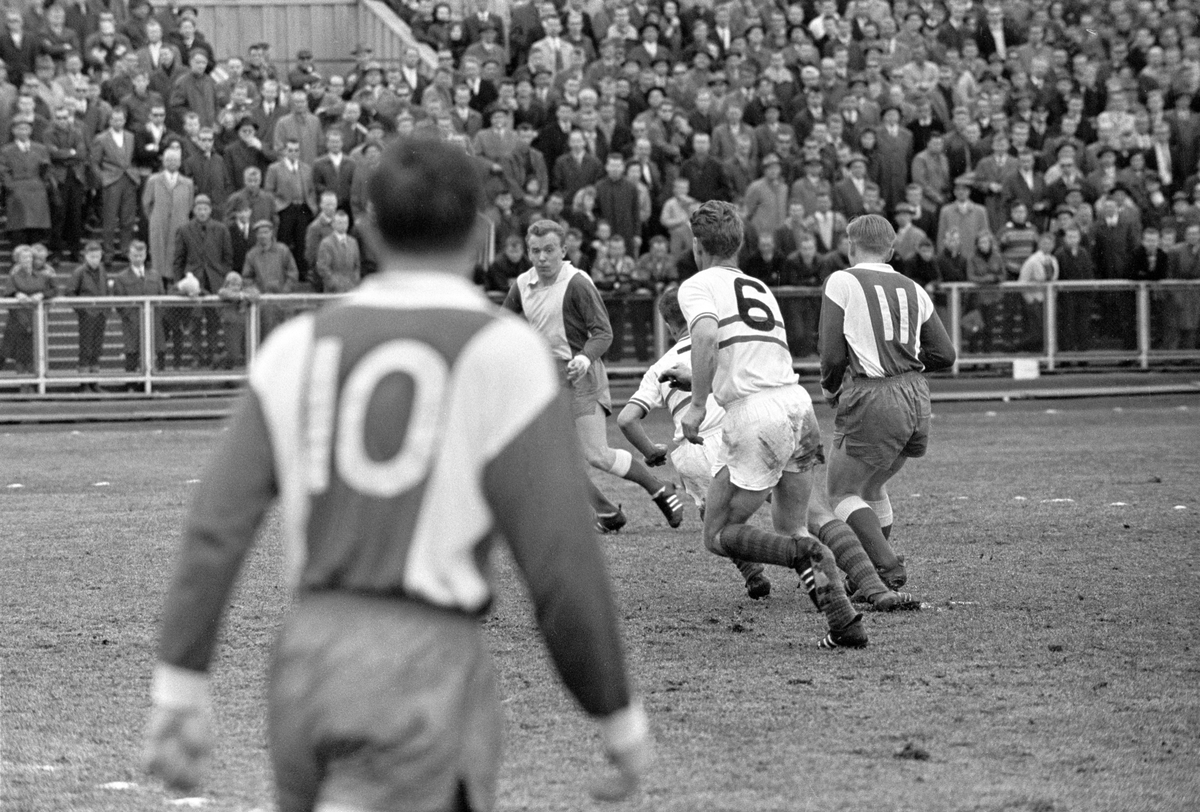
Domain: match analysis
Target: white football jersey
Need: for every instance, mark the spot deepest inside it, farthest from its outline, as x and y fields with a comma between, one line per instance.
x=752, y=349
x=653, y=394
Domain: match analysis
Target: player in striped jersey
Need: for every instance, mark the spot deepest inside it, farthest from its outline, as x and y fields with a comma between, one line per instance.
x=402, y=428
x=879, y=333
x=666, y=385
x=563, y=305
x=770, y=437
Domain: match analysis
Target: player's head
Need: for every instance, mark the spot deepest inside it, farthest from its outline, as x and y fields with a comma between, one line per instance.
x=545, y=240
x=871, y=238
x=424, y=196
x=716, y=232
x=672, y=313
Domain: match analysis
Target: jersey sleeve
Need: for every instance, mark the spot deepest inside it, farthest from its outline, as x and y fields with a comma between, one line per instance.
x=584, y=311
x=512, y=301
x=696, y=301
x=832, y=347
x=535, y=484
x=227, y=508
x=649, y=394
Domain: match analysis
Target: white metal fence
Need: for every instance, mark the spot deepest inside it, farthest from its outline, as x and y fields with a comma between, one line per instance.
x=173, y=343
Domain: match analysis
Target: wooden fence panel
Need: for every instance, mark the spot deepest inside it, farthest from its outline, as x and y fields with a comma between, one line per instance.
x=329, y=28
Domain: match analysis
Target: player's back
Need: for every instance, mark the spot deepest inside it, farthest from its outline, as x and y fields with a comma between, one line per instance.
x=384, y=410
x=884, y=312
x=752, y=349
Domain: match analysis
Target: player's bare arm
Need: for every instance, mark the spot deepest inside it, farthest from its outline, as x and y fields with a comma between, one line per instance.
x=704, y=366
x=630, y=423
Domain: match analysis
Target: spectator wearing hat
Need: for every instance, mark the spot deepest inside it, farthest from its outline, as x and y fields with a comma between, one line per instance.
x=488, y=46
x=290, y=181
x=931, y=170
x=247, y=151
x=962, y=217
x=908, y=236
x=894, y=153
x=195, y=90
x=112, y=163
x=204, y=251
x=187, y=40
x=258, y=67
x=766, y=199
x=25, y=174
x=303, y=72
x=848, y=193
x=481, y=19
x=271, y=268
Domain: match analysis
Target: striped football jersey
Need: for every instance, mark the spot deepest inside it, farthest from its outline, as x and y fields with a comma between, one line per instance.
x=401, y=429
x=883, y=317
x=752, y=350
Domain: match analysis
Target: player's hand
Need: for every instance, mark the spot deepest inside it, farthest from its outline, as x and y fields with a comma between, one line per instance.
x=679, y=377
x=692, y=418
x=577, y=367
x=630, y=750
x=659, y=457
x=178, y=741
x=831, y=398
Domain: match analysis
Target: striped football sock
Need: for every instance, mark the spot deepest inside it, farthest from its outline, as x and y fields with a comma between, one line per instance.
x=827, y=581
x=748, y=569
x=862, y=520
x=851, y=557
x=749, y=543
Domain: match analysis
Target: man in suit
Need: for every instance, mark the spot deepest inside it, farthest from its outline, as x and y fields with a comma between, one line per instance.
x=149, y=56
x=339, y=264
x=112, y=164
x=962, y=217
x=290, y=180
x=481, y=19
x=241, y=234
x=247, y=151
x=576, y=169
x=203, y=248
x=262, y=205
x=166, y=201
x=931, y=171
x=1027, y=186
x=195, y=90
x=268, y=110
x=552, y=138
x=1114, y=240
x=69, y=168
x=18, y=47
x=150, y=141
x=725, y=136
x=137, y=280
x=334, y=170
x=848, y=193
x=894, y=151
x=209, y=172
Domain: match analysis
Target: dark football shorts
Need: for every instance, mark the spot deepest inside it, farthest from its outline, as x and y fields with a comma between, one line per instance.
x=882, y=419
x=377, y=703
x=588, y=391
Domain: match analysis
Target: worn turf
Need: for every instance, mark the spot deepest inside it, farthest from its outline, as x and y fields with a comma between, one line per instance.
x=1057, y=667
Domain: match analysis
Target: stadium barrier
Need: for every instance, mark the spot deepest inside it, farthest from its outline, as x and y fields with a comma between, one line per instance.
x=189, y=344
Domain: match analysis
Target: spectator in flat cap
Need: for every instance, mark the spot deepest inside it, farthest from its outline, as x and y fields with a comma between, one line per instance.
x=963, y=217
x=195, y=91
x=271, y=268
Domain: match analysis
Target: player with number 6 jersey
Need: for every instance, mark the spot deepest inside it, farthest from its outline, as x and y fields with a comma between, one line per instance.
x=770, y=440
x=878, y=334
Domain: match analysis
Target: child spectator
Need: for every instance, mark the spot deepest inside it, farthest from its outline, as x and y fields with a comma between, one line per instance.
x=675, y=216
x=1041, y=266
x=499, y=276
x=1017, y=240
x=237, y=297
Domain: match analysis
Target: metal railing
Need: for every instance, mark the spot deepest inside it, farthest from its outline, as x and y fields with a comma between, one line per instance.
x=178, y=343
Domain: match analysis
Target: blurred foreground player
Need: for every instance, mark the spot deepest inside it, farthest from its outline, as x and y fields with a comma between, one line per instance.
x=401, y=427
x=666, y=384
x=562, y=304
x=879, y=332
x=770, y=437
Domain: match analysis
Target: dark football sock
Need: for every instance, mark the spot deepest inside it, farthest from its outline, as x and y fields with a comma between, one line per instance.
x=748, y=569
x=831, y=597
x=862, y=520
x=748, y=543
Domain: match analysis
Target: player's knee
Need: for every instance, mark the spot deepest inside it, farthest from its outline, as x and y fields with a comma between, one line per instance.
x=712, y=542
x=599, y=458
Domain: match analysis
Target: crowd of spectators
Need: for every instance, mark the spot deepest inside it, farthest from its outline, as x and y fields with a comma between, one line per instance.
x=1020, y=142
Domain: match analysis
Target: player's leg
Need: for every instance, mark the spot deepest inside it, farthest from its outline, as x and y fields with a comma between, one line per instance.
x=847, y=480
x=876, y=496
x=863, y=581
x=593, y=437
x=725, y=504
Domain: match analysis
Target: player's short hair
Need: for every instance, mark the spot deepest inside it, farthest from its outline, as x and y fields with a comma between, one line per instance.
x=669, y=309
x=717, y=226
x=540, y=228
x=871, y=233
x=425, y=195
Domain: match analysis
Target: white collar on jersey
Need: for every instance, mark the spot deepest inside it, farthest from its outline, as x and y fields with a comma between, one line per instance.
x=405, y=289
x=876, y=266
x=564, y=270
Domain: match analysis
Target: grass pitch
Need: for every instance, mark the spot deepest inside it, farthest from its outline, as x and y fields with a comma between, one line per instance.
x=1057, y=669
